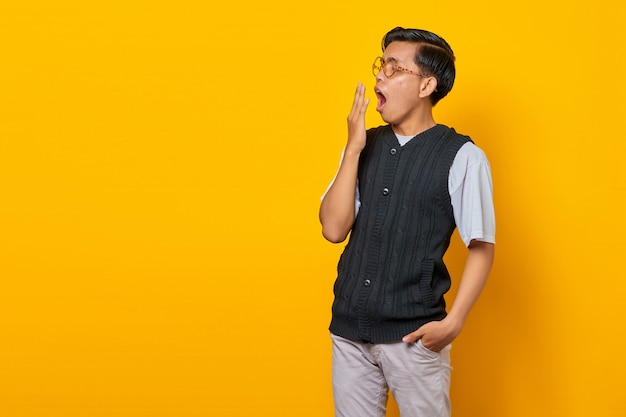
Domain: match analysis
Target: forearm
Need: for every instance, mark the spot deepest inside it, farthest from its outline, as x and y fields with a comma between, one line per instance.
x=477, y=267
x=337, y=210
x=436, y=335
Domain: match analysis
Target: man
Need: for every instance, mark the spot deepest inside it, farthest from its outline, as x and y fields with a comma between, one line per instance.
x=400, y=191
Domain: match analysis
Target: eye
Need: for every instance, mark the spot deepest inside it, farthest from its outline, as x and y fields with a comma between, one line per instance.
x=391, y=61
x=391, y=65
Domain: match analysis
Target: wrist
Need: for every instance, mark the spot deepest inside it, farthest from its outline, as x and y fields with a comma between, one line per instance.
x=352, y=152
x=454, y=324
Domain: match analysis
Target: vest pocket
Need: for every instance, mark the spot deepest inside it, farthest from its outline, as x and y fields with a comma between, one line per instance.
x=428, y=266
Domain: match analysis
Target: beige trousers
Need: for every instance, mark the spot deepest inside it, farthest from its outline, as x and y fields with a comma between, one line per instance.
x=363, y=373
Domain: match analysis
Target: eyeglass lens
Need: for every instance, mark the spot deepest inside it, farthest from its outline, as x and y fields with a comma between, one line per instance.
x=387, y=67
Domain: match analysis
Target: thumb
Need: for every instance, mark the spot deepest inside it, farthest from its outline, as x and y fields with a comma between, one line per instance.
x=412, y=337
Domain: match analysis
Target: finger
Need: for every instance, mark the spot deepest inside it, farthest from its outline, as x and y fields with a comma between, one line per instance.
x=361, y=109
x=364, y=107
x=412, y=337
x=360, y=90
x=358, y=99
x=433, y=348
x=357, y=104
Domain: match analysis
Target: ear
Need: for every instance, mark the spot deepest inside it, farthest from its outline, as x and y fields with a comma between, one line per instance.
x=428, y=86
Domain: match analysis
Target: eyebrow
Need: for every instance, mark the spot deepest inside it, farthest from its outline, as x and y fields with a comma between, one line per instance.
x=394, y=58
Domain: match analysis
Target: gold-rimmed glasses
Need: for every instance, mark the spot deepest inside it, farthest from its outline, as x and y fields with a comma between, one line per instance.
x=390, y=67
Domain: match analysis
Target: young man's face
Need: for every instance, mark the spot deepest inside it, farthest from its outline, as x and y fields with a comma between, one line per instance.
x=399, y=101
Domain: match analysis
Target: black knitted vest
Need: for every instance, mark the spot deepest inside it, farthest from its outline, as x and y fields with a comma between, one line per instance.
x=391, y=275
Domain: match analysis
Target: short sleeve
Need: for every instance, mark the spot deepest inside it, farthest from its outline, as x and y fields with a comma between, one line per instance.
x=471, y=193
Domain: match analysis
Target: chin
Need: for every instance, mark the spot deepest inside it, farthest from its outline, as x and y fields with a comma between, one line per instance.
x=385, y=118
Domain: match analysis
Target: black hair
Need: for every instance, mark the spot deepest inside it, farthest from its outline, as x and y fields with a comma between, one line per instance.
x=434, y=57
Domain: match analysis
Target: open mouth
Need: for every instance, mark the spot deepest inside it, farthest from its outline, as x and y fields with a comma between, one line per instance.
x=381, y=100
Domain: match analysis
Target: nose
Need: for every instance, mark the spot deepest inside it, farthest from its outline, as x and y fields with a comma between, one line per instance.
x=379, y=76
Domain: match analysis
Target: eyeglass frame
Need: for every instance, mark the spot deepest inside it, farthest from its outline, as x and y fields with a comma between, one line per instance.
x=395, y=67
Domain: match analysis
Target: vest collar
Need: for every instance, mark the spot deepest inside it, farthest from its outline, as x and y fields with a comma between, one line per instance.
x=434, y=132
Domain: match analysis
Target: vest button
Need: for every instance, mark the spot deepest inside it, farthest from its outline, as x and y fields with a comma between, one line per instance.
x=385, y=191
x=393, y=151
x=367, y=283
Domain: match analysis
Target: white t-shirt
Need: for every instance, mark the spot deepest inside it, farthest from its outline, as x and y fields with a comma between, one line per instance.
x=471, y=193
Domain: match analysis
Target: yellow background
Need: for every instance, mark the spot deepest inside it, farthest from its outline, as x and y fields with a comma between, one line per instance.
x=161, y=165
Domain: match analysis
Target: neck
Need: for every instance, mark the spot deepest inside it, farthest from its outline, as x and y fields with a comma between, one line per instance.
x=414, y=126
